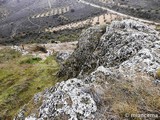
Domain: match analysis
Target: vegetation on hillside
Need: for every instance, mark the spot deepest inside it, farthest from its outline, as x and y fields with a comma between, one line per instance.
x=46, y=37
x=21, y=77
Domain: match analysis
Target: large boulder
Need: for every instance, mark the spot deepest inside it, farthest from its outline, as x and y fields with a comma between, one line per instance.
x=124, y=41
x=83, y=58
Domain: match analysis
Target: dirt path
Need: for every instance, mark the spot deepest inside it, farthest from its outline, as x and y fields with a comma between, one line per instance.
x=55, y=47
x=50, y=47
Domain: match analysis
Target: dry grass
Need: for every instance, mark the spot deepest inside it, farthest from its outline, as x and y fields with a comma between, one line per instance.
x=133, y=96
x=123, y=107
x=38, y=48
x=158, y=74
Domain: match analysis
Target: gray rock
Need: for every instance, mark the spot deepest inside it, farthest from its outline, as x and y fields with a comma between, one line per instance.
x=20, y=115
x=69, y=98
x=156, y=82
x=82, y=58
x=62, y=56
x=125, y=42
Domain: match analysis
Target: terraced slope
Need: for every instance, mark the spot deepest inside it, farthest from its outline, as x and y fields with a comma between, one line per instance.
x=146, y=9
x=35, y=15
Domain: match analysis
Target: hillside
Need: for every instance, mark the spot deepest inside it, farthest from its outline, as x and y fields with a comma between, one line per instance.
x=79, y=59
x=146, y=9
x=113, y=74
x=35, y=15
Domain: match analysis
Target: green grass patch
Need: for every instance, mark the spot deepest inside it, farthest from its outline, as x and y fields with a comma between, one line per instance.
x=46, y=37
x=68, y=37
x=21, y=77
x=8, y=54
x=30, y=60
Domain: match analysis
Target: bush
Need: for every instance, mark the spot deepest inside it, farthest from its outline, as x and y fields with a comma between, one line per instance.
x=29, y=60
x=39, y=48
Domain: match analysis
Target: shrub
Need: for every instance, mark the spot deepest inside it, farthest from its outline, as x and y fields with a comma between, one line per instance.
x=29, y=60
x=39, y=48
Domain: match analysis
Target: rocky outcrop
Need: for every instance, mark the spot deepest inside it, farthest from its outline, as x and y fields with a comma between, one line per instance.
x=74, y=99
x=129, y=44
x=82, y=58
x=125, y=41
x=104, y=65
x=68, y=99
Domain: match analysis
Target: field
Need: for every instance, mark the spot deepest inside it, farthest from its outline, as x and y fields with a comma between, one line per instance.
x=31, y=16
x=146, y=9
x=42, y=37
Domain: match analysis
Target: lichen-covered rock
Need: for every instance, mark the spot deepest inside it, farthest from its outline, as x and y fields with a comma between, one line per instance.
x=74, y=99
x=130, y=42
x=62, y=56
x=123, y=41
x=83, y=58
x=68, y=98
